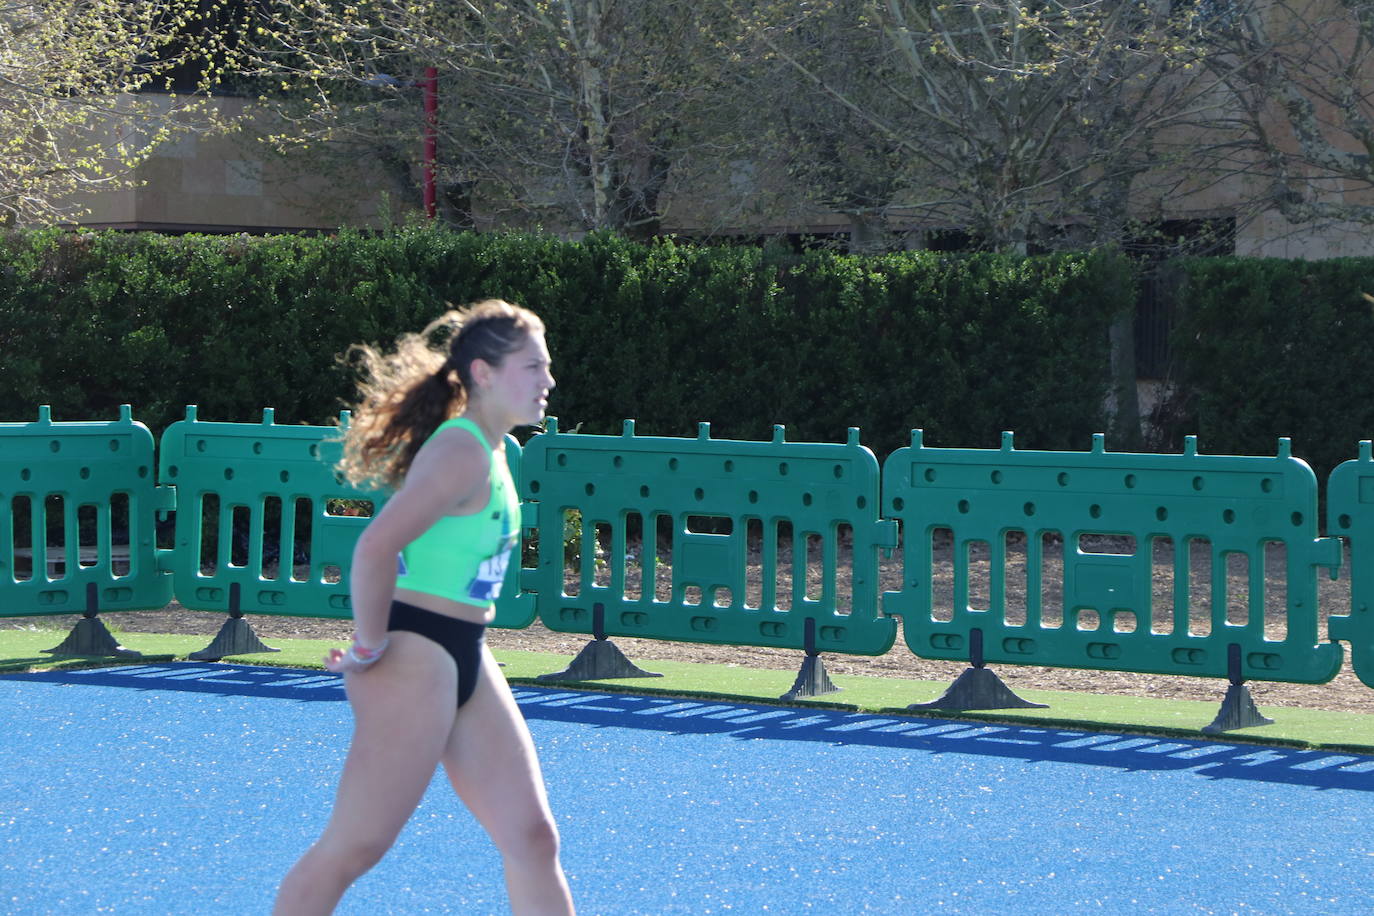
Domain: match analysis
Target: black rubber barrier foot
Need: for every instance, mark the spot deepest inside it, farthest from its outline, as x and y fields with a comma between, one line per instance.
x=236, y=637
x=978, y=688
x=599, y=660
x=1238, y=710
x=91, y=637
x=812, y=681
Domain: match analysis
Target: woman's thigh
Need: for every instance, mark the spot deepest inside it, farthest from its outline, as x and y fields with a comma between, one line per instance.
x=403, y=711
x=491, y=761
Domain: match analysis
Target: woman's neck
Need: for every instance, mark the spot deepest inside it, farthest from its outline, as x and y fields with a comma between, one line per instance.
x=493, y=428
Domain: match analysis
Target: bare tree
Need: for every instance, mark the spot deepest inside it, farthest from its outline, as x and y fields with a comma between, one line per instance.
x=86, y=94
x=1000, y=118
x=1301, y=73
x=585, y=114
x=824, y=138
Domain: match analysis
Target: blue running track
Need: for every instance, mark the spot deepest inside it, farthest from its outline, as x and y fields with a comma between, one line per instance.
x=190, y=788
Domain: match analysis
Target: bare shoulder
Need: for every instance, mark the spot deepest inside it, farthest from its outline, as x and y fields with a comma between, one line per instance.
x=457, y=444
x=451, y=465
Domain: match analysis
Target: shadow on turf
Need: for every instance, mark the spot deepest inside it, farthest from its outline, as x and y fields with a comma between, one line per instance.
x=206, y=677
x=1212, y=759
x=1215, y=760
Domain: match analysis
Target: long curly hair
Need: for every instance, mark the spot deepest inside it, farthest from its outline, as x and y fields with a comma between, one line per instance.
x=405, y=394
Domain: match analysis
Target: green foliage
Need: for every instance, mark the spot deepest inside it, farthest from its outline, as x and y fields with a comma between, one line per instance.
x=77, y=79
x=668, y=334
x=572, y=544
x=1273, y=348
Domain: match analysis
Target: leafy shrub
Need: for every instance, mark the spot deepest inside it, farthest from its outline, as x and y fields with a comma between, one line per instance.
x=667, y=333
x=1273, y=348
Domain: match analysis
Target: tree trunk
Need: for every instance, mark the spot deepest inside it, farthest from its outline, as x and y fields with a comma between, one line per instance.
x=1125, y=400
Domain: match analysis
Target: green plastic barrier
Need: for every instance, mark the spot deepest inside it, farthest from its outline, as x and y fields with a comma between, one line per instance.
x=78, y=511
x=676, y=517
x=1114, y=514
x=1350, y=514
x=266, y=526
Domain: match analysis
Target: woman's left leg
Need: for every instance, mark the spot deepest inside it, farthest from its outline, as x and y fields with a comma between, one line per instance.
x=491, y=762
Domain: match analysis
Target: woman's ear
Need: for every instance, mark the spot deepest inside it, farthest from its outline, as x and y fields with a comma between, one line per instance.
x=479, y=370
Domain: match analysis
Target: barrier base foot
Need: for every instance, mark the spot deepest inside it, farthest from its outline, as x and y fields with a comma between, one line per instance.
x=978, y=688
x=236, y=637
x=812, y=681
x=1238, y=710
x=91, y=637
x=599, y=660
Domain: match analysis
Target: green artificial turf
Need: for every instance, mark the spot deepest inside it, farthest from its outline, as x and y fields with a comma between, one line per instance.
x=22, y=650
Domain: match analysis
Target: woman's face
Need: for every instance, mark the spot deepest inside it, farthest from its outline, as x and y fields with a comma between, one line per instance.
x=520, y=385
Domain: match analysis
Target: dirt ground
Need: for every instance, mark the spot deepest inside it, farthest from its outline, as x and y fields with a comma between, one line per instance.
x=1344, y=693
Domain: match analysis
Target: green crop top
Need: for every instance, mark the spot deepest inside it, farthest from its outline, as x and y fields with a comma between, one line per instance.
x=463, y=557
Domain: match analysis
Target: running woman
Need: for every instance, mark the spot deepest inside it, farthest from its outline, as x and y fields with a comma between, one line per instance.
x=426, y=572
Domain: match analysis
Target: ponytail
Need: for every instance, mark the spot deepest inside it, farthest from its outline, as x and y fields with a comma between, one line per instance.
x=407, y=394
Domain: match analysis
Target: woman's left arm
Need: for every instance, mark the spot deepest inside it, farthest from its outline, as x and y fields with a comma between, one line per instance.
x=447, y=472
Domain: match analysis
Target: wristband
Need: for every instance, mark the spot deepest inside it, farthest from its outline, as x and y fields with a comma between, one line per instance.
x=365, y=656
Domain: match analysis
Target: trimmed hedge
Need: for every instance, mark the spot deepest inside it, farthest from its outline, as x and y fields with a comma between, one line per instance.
x=1271, y=348
x=667, y=333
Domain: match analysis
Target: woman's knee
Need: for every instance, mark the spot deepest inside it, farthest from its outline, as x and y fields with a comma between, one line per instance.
x=354, y=856
x=533, y=840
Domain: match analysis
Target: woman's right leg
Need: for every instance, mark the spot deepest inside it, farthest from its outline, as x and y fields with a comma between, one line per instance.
x=403, y=713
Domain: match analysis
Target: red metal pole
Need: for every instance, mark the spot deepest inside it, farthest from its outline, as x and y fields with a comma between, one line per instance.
x=431, y=89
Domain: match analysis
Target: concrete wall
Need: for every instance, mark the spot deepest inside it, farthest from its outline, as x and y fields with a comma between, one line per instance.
x=1272, y=236
x=234, y=182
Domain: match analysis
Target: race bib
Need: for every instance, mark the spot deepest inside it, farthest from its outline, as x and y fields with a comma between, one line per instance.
x=486, y=585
